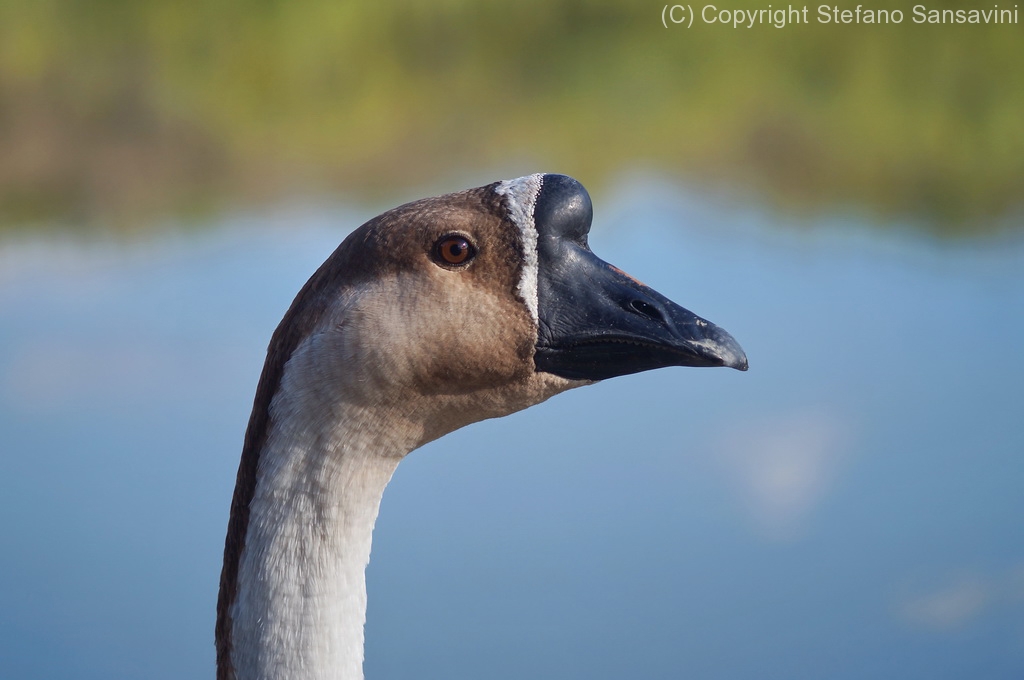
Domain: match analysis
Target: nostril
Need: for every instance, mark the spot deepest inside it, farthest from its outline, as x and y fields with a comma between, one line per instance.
x=646, y=309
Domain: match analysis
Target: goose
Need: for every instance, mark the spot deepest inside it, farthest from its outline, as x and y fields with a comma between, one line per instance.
x=431, y=316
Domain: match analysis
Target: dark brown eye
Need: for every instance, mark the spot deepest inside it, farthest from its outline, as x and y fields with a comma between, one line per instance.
x=454, y=250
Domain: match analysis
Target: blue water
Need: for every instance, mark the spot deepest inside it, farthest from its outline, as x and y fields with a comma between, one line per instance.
x=849, y=508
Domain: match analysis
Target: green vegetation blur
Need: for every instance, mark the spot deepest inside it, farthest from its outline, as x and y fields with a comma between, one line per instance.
x=125, y=111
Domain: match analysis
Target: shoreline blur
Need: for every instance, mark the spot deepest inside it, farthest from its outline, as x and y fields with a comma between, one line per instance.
x=121, y=113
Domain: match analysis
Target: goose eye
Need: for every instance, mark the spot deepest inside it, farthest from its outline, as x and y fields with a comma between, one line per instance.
x=454, y=249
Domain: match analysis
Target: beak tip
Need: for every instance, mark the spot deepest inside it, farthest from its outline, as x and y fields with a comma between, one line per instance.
x=737, y=361
x=726, y=350
x=731, y=354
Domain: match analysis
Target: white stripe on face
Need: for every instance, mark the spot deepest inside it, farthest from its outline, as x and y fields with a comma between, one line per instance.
x=521, y=195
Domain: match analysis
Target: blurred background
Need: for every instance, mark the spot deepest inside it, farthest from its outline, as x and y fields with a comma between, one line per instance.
x=846, y=200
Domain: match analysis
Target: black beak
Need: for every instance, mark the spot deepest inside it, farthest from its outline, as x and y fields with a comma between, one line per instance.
x=596, y=321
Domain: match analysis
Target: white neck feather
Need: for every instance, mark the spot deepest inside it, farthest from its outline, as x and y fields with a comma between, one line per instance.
x=301, y=600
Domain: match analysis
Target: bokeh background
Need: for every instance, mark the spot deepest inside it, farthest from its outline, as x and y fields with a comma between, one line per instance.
x=846, y=200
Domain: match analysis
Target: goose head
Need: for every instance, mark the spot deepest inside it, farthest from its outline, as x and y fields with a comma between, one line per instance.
x=480, y=303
